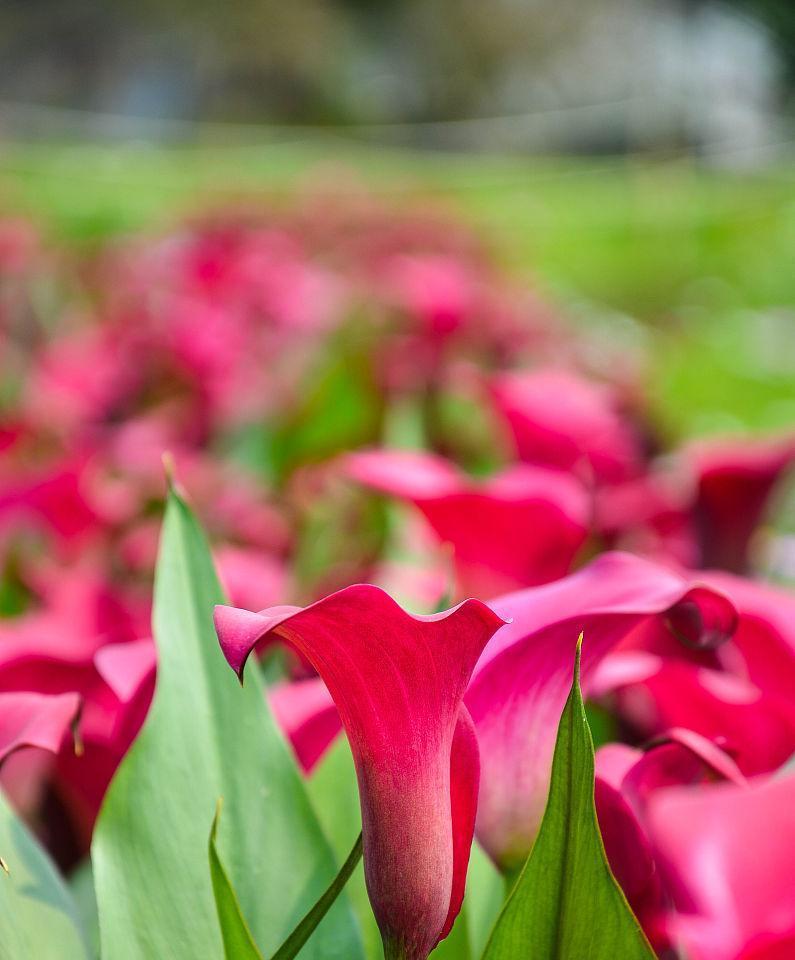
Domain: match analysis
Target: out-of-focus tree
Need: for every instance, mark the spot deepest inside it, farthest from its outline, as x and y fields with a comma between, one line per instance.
x=392, y=62
x=779, y=15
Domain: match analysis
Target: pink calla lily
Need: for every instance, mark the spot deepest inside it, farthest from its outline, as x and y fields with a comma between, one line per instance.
x=518, y=528
x=625, y=780
x=520, y=685
x=35, y=720
x=559, y=419
x=398, y=683
x=728, y=853
x=763, y=647
x=756, y=728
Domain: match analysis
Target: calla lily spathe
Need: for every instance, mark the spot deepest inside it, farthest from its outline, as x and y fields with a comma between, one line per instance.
x=398, y=683
x=728, y=855
x=520, y=527
x=520, y=685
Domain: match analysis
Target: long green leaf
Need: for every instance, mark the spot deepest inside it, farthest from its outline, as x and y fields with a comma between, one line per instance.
x=566, y=904
x=38, y=918
x=238, y=942
x=205, y=737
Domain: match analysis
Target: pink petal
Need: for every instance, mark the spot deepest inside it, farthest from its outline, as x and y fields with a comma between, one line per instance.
x=625, y=779
x=521, y=527
x=765, y=635
x=126, y=667
x=629, y=853
x=521, y=683
x=464, y=782
x=613, y=761
x=622, y=668
x=771, y=948
x=398, y=681
x=730, y=852
x=561, y=420
x=755, y=728
x=35, y=720
x=410, y=474
x=711, y=756
x=250, y=578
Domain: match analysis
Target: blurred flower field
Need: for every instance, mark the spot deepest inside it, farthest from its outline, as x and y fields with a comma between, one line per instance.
x=562, y=389
x=696, y=252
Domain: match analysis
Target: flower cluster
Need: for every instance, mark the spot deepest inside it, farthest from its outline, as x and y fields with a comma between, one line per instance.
x=367, y=413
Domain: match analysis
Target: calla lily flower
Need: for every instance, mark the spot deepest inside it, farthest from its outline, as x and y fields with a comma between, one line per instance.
x=625, y=780
x=398, y=683
x=763, y=647
x=728, y=856
x=734, y=482
x=755, y=727
x=741, y=696
x=35, y=720
x=52, y=650
x=32, y=726
x=559, y=419
x=520, y=685
x=518, y=528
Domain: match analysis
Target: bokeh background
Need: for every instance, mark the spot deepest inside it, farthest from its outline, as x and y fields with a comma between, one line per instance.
x=630, y=158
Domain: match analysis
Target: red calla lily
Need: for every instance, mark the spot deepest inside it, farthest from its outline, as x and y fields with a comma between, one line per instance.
x=562, y=420
x=521, y=527
x=735, y=479
x=398, y=683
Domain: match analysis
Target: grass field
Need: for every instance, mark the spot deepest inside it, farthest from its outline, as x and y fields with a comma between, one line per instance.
x=705, y=258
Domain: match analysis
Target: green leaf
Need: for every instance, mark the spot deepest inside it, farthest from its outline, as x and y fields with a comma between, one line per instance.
x=38, y=918
x=294, y=943
x=566, y=904
x=81, y=887
x=238, y=941
x=205, y=738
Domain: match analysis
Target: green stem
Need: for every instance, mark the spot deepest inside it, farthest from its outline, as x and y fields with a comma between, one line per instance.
x=306, y=927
